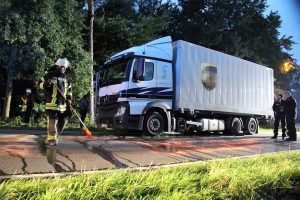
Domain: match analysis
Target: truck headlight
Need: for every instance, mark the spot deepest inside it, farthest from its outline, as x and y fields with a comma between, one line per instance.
x=121, y=111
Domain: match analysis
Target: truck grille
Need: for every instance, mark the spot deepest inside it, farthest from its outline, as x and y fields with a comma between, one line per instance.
x=108, y=105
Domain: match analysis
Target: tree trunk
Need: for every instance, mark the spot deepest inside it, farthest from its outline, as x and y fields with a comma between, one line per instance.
x=9, y=81
x=91, y=45
x=8, y=92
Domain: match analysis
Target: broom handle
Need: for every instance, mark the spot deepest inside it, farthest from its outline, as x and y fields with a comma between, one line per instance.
x=73, y=110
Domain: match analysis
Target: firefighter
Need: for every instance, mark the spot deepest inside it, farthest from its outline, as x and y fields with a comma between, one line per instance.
x=278, y=109
x=58, y=94
x=29, y=102
x=27, y=105
x=290, y=111
x=23, y=106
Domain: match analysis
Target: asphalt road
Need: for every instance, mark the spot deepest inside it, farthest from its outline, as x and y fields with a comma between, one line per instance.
x=26, y=152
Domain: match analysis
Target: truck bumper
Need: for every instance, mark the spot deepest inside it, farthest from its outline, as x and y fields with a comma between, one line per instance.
x=118, y=117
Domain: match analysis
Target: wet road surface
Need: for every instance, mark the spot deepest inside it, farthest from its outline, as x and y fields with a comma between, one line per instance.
x=27, y=153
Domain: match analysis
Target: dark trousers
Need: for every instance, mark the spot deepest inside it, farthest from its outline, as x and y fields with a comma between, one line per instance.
x=279, y=118
x=83, y=114
x=56, y=122
x=291, y=127
x=27, y=115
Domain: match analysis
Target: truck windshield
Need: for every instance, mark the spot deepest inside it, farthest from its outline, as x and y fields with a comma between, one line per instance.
x=115, y=73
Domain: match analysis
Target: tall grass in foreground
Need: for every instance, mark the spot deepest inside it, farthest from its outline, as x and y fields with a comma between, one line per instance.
x=264, y=177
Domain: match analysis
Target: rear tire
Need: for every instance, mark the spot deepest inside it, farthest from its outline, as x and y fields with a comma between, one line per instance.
x=251, y=126
x=236, y=126
x=154, y=123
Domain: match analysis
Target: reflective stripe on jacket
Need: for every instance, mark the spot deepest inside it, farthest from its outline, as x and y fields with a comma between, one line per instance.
x=24, y=104
x=54, y=100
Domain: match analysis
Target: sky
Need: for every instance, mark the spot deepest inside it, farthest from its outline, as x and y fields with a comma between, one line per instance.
x=289, y=11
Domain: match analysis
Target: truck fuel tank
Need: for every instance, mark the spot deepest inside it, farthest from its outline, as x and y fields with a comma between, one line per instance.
x=203, y=124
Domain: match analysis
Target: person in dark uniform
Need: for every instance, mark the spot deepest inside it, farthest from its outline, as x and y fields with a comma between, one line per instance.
x=279, y=115
x=84, y=107
x=290, y=111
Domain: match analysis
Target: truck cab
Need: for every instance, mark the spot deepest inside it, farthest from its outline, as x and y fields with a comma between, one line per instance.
x=136, y=89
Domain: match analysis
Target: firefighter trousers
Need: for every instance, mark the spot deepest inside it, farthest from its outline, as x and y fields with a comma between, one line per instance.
x=56, y=122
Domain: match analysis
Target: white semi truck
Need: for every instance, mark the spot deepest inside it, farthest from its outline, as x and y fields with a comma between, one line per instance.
x=165, y=86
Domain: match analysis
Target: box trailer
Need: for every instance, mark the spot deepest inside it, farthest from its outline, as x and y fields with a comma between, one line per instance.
x=165, y=86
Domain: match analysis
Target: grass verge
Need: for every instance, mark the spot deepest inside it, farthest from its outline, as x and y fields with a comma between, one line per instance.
x=265, y=177
x=270, y=130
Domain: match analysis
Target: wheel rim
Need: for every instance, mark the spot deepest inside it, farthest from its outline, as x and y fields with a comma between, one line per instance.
x=252, y=126
x=154, y=124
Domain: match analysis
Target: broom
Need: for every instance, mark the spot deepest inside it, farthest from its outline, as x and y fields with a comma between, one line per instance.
x=84, y=129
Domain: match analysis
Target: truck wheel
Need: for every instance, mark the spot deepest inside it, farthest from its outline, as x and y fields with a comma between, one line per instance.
x=251, y=126
x=154, y=123
x=236, y=126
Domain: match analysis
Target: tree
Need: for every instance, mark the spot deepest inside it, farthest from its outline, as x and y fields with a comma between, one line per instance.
x=16, y=53
x=128, y=23
x=91, y=45
x=35, y=34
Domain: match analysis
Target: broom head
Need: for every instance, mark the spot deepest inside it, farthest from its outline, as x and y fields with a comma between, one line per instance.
x=87, y=132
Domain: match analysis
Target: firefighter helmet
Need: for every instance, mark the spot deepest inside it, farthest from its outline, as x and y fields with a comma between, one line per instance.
x=62, y=62
x=28, y=90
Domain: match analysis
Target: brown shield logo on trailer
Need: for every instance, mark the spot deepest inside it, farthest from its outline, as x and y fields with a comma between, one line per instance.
x=209, y=75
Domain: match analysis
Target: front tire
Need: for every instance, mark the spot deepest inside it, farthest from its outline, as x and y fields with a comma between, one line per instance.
x=154, y=123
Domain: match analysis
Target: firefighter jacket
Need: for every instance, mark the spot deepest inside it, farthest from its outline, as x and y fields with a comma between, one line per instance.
x=54, y=99
x=23, y=106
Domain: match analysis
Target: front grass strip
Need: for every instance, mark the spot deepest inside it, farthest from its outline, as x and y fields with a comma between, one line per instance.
x=272, y=176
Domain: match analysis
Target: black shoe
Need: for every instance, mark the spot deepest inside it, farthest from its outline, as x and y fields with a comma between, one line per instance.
x=274, y=137
x=52, y=142
x=291, y=139
x=283, y=136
